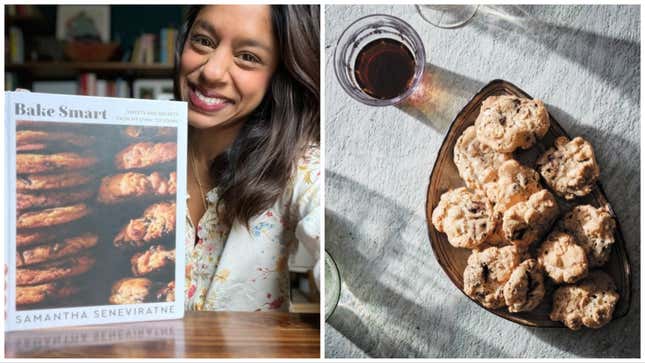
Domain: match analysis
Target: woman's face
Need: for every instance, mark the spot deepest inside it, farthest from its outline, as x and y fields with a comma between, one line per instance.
x=229, y=57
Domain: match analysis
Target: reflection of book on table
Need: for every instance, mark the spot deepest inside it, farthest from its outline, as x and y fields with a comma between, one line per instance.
x=168, y=333
x=94, y=233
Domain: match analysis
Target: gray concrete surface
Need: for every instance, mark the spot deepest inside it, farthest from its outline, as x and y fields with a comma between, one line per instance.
x=584, y=62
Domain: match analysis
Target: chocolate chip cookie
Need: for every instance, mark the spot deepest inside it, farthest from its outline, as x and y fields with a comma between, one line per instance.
x=167, y=293
x=145, y=154
x=37, y=182
x=148, y=132
x=570, y=168
x=593, y=229
x=55, y=270
x=31, y=295
x=562, y=259
x=487, y=272
x=127, y=186
x=46, y=163
x=465, y=216
x=131, y=290
x=476, y=162
x=48, y=138
x=52, y=216
x=153, y=260
x=157, y=222
x=516, y=184
x=49, y=199
x=506, y=123
x=527, y=222
x=524, y=290
x=590, y=303
x=53, y=251
x=28, y=238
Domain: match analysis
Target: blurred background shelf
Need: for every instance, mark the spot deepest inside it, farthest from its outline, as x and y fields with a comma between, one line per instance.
x=61, y=70
x=96, y=50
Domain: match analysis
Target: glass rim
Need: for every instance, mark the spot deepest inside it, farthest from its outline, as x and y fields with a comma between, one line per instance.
x=451, y=26
x=418, y=72
x=337, y=290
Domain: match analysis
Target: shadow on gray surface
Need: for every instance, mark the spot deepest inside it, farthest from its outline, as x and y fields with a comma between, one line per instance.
x=404, y=328
x=611, y=152
x=619, y=161
x=439, y=97
x=618, y=63
x=363, y=263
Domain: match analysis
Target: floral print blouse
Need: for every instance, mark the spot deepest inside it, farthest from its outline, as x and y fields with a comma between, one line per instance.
x=240, y=269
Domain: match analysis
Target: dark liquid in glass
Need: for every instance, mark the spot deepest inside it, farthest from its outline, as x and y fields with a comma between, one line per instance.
x=384, y=68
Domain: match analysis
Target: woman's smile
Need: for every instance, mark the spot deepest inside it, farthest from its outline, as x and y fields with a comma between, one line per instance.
x=206, y=102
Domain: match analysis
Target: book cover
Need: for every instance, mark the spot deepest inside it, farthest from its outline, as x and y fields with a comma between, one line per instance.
x=95, y=210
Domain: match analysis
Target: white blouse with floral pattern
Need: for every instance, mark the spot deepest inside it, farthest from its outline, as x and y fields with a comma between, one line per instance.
x=240, y=269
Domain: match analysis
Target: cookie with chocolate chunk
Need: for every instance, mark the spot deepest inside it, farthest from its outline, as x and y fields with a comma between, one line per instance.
x=25, y=201
x=570, y=168
x=39, y=139
x=593, y=229
x=47, y=163
x=562, y=259
x=526, y=222
x=487, y=272
x=154, y=260
x=56, y=270
x=516, y=184
x=145, y=154
x=590, y=303
x=506, y=123
x=128, y=186
x=167, y=293
x=131, y=290
x=476, y=162
x=157, y=222
x=56, y=250
x=466, y=216
x=31, y=295
x=38, y=182
x=524, y=290
x=52, y=216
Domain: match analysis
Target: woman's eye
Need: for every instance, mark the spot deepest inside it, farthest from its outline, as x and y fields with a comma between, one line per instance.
x=201, y=40
x=247, y=57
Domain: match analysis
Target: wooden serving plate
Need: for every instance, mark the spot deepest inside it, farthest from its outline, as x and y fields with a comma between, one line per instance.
x=445, y=177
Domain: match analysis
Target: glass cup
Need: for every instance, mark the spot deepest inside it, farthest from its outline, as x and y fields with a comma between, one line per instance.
x=366, y=31
x=332, y=285
x=447, y=16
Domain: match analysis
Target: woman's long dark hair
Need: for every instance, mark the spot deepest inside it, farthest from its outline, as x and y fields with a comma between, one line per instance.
x=254, y=171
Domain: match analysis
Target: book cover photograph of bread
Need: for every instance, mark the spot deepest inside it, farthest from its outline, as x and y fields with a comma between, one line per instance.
x=93, y=185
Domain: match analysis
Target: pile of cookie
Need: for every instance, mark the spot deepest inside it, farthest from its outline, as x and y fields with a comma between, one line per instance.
x=515, y=226
x=53, y=185
x=148, y=238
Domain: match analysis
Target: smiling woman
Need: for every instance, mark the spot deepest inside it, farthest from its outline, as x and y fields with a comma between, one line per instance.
x=250, y=75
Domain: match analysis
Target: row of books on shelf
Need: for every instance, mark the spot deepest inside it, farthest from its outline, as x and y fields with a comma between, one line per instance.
x=90, y=85
x=148, y=48
x=87, y=84
x=151, y=48
x=16, y=45
x=22, y=10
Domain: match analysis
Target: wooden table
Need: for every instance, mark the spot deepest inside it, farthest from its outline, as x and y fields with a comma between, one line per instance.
x=198, y=335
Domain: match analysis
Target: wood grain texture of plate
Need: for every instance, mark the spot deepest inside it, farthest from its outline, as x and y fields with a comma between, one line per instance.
x=445, y=177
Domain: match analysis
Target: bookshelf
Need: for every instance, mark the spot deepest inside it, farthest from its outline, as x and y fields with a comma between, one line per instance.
x=63, y=70
x=50, y=63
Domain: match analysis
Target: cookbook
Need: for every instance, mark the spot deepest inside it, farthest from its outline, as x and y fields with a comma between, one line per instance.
x=95, y=213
